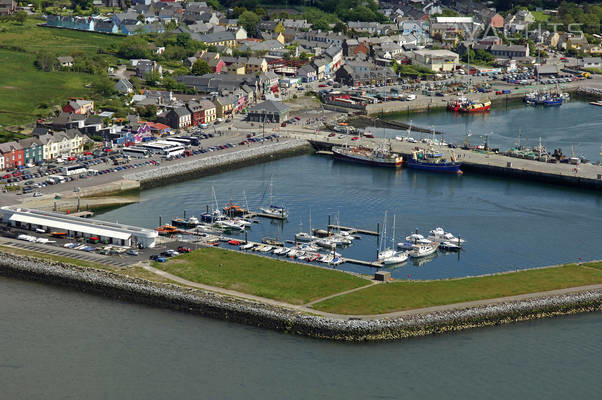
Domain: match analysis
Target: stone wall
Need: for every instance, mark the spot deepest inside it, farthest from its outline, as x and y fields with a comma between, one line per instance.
x=282, y=319
x=218, y=163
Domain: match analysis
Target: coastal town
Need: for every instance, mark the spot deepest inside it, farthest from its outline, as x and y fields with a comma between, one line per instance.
x=350, y=171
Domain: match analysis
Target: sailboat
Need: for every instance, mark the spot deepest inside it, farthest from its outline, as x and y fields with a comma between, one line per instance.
x=215, y=215
x=272, y=210
x=389, y=256
x=306, y=236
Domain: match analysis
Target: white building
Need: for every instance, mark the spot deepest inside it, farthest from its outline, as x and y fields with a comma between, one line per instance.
x=118, y=234
x=436, y=60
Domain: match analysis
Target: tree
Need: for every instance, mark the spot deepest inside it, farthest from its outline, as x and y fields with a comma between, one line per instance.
x=103, y=86
x=249, y=21
x=46, y=61
x=83, y=4
x=341, y=27
x=133, y=47
x=20, y=17
x=152, y=78
x=148, y=111
x=200, y=67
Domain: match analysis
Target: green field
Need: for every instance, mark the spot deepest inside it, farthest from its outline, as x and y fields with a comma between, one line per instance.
x=260, y=276
x=34, y=38
x=398, y=296
x=26, y=92
x=540, y=16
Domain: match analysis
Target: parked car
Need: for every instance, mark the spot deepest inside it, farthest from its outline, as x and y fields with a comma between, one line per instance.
x=183, y=249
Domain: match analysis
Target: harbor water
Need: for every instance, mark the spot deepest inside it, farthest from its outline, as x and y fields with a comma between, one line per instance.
x=508, y=224
x=57, y=344
x=575, y=123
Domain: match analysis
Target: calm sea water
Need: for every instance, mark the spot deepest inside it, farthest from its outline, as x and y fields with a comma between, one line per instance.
x=508, y=224
x=575, y=123
x=60, y=344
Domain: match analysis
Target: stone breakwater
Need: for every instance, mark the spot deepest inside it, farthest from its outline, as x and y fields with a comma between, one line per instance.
x=218, y=163
x=282, y=319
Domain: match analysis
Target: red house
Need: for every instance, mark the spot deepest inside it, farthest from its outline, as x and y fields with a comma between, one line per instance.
x=79, y=106
x=197, y=113
x=216, y=65
x=13, y=154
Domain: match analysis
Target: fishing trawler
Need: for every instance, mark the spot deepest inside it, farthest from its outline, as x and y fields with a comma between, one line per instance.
x=381, y=156
x=429, y=160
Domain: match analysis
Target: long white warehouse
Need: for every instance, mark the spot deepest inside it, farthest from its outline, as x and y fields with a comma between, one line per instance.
x=123, y=235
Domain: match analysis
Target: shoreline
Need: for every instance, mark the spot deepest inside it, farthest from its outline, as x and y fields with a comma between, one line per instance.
x=288, y=320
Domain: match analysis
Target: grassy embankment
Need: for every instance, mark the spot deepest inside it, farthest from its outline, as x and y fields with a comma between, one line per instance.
x=260, y=276
x=26, y=92
x=399, y=296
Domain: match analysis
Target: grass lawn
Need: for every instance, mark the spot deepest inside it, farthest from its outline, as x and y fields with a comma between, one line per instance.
x=540, y=16
x=260, y=276
x=398, y=296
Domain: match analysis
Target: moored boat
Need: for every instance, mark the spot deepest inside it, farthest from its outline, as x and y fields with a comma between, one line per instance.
x=429, y=160
x=423, y=250
x=380, y=157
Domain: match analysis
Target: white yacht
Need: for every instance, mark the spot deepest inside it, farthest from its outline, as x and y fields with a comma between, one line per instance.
x=423, y=250
x=438, y=234
x=417, y=238
x=246, y=246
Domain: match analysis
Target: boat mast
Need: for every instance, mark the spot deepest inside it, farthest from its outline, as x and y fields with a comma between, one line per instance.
x=271, y=202
x=393, y=235
x=244, y=195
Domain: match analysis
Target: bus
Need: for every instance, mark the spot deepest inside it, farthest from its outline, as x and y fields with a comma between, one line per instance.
x=195, y=141
x=180, y=140
x=173, y=151
x=135, y=152
x=74, y=170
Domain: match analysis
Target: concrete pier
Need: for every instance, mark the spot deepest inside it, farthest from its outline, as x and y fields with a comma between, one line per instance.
x=587, y=176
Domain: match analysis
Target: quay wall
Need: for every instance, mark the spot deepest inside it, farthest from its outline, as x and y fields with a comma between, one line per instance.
x=532, y=175
x=205, y=166
x=341, y=328
x=519, y=169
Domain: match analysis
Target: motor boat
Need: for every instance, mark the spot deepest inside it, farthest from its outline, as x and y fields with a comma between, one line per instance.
x=309, y=247
x=247, y=246
x=404, y=245
x=265, y=248
x=327, y=258
x=423, y=250
x=438, y=234
x=450, y=246
x=337, y=261
x=280, y=251
x=417, y=238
